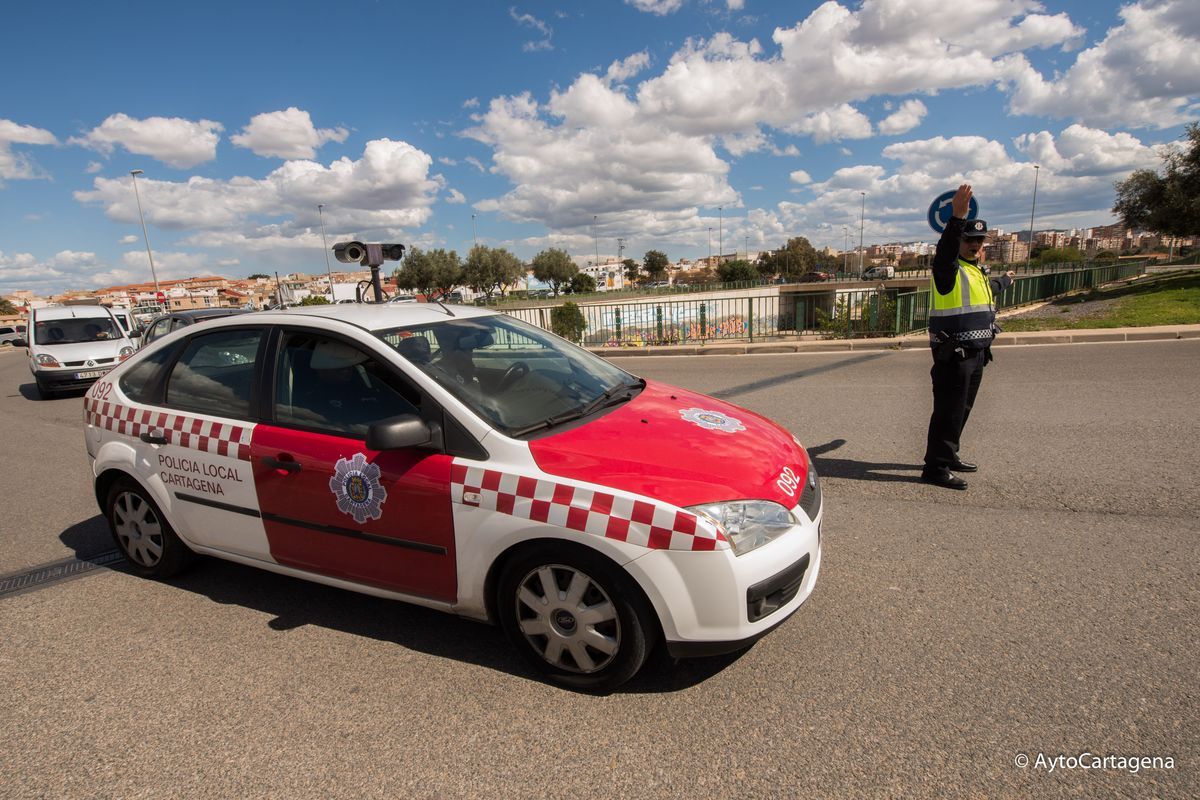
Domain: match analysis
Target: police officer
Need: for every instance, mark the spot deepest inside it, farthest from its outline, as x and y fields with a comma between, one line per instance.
x=962, y=326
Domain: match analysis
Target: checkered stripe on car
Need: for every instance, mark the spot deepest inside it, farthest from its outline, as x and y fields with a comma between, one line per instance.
x=217, y=438
x=578, y=508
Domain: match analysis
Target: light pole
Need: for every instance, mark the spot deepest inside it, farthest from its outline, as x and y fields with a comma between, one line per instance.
x=134, y=173
x=1029, y=252
x=325, y=247
x=474, y=235
x=596, y=239
x=710, y=246
x=720, y=232
x=861, y=222
x=846, y=249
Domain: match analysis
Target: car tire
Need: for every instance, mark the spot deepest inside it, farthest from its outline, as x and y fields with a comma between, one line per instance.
x=576, y=617
x=142, y=533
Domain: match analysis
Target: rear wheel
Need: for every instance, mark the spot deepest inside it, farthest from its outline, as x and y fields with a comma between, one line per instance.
x=577, y=617
x=142, y=533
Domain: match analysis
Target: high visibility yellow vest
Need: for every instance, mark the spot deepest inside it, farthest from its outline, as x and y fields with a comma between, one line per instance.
x=966, y=312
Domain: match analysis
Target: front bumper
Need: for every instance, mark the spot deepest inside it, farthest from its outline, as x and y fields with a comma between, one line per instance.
x=715, y=602
x=71, y=378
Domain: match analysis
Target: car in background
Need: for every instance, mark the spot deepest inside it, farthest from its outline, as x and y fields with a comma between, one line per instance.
x=813, y=277
x=10, y=334
x=881, y=273
x=465, y=461
x=71, y=346
x=161, y=326
x=402, y=298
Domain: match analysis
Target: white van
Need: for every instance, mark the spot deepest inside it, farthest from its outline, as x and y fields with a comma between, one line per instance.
x=879, y=274
x=71, y=346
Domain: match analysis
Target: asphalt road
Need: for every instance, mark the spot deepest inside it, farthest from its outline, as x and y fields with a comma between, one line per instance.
x=1051, y=609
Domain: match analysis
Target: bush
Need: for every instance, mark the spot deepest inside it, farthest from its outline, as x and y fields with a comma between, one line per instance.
x=568, y=321
x=314, y=300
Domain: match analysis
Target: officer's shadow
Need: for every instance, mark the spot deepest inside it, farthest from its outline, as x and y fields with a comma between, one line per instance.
x=880, y=472
x=291, y=603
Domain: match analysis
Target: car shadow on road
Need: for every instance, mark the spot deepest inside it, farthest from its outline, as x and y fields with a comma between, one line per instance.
x=881, y=472
x=293, y=603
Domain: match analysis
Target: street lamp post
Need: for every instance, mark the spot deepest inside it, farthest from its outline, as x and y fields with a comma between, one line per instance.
x=1032, y=209
x=720, y=232
x=596, y=239
x=474, y=235
x=861, y=222
x=325, y=247
x=710, y=246
x=134, y=173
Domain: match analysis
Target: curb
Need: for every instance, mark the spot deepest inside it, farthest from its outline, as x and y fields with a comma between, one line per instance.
x=916, y=342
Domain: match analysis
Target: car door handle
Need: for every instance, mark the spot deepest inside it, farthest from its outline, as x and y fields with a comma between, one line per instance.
x=285, y=465
x=150, y=437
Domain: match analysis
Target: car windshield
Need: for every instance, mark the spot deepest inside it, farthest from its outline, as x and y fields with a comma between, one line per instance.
x=518, y=377
x=73, y=330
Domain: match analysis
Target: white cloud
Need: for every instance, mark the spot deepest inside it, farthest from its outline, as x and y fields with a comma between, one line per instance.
x=801, y=177
x=1146, y=70
x=659, y=7
x=623, y=70
x=64, y=270
x=476, y=163
x=449, y=162
x=16, y=166
x=286, y=134
x=735, y=5
x=471, y=102
x=128, y=239
x=1083, y=151
x=530, y=21
x=94, y=167
x=176, y=142
x=941, y=156
x=387, y=190
x=905, y=119
x=455, y=197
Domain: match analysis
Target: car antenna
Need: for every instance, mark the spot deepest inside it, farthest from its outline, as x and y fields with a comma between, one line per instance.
x=445, y=308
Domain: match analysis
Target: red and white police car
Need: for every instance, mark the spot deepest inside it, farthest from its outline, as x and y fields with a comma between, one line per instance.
x=462, y=460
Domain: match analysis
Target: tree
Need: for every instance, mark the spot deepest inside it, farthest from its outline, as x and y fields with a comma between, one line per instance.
x=256, y=276
x=429, y=272
x=1167, y=203
x=737, y=271
x=582, y=283
x=656, y=263
x=1059, y=255
x=490, y=269
x=314, y=300
x=554, y=267
x=7, y=308
x=568, y=321
x=791, y=261
x=632, y=270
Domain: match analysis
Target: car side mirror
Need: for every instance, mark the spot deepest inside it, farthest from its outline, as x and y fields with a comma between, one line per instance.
x=405, y=430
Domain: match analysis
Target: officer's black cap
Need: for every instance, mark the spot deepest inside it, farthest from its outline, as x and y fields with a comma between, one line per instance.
x=974, y=229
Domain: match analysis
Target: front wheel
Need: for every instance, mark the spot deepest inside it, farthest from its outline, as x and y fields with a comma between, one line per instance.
x=576, y=616
x=142, y=533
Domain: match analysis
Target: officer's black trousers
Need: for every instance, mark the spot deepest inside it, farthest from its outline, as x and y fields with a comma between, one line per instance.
x=955, y=384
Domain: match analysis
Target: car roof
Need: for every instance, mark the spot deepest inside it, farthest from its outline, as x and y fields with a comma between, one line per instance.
x=205, y=313
x=67, y=312
x=376, y=316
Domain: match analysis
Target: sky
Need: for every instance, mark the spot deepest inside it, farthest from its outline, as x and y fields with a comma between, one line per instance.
x=601, y=127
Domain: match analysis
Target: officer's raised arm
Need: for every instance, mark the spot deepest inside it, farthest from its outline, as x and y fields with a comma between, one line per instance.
x=945, y=257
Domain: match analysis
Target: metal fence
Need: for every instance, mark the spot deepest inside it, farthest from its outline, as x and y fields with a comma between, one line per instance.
x=840, y=313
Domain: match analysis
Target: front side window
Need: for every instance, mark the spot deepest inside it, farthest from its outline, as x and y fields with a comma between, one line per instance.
x=158, y=329
x=215, y=374
x=326, y=384
x=516, y=376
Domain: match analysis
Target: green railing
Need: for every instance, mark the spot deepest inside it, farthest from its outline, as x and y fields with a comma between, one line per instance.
x=835, y=312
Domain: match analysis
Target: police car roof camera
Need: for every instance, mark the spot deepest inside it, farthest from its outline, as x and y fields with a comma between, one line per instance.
x=518, y=501
x=369, y=255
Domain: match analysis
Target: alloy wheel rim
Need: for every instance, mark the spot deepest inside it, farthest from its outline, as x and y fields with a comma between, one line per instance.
x=568, y=619
x=138, y=528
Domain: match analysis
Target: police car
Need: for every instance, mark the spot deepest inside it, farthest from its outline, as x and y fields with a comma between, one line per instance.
x=462, y=460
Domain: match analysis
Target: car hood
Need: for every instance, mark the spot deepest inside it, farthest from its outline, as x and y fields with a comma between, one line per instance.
x=83, y=351
x=682, y=447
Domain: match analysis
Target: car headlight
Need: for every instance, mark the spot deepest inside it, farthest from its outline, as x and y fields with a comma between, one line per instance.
x=125, y=353
x=748, y=524
x=45, y=360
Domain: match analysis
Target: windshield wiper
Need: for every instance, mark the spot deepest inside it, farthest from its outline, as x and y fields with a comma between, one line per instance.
x=611, y=397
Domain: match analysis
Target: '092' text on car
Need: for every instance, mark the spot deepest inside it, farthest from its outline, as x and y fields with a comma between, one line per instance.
x=462, y=460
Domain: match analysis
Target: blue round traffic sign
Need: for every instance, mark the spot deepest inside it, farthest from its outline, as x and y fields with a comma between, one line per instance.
x=941, y=210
